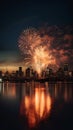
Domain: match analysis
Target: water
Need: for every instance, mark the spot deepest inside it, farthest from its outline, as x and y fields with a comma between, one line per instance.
x=36, y=106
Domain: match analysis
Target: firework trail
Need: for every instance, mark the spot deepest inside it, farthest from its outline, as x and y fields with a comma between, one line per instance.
x=36, y=49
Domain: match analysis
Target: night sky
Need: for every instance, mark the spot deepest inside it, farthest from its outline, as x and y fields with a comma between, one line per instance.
x=15, y=16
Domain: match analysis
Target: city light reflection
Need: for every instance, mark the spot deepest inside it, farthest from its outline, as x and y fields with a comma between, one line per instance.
x=9, y=90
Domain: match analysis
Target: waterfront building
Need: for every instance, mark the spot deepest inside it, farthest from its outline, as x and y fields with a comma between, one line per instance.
x=20, y=72
x=66, y=69
x=27, y=73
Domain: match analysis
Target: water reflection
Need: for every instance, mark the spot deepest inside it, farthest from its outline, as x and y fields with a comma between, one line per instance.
x=62, y=90
x=8, y=90
x=35, y=100
x=57, y=90
x=37, y=106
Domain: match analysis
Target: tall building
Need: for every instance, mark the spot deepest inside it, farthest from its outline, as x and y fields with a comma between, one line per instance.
x=20, y=69
x=28, y=72
x=20, y=72
x=60, y=72
x=66, y=69
x=50, y=72
x=47, y=72
x=0, y=73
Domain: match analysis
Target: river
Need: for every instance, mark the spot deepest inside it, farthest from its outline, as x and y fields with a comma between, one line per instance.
x=36, y=106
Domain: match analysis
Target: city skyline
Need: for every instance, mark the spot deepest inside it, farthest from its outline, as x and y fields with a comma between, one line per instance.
x=56, y=16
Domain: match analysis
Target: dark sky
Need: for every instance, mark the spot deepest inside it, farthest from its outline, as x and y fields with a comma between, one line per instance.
x=15, y=16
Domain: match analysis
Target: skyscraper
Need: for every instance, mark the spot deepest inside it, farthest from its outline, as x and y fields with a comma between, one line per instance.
x=66, y=69
x=20, y=72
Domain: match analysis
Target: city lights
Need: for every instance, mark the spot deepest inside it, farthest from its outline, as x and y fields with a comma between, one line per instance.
x=0, y=80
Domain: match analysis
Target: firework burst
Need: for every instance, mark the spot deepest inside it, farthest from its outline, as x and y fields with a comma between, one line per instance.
x=36, y=49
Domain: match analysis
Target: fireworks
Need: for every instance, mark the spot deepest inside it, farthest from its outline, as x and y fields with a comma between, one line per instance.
x=42, y=58
x=36, y=49
x=28, y=40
